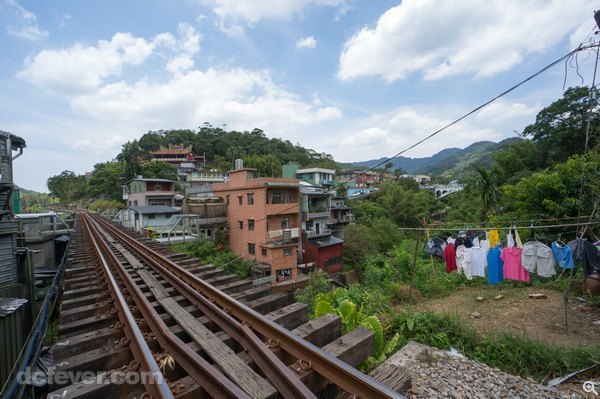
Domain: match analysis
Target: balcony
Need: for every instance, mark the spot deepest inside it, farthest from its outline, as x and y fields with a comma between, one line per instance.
x=279, y=209
x=344, y=219
x=317, y=214
x=277, y=235
x=314, y=234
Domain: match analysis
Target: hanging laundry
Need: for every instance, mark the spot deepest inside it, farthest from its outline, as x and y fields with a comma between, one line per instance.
x=435, y=246
x=478, y=262
x=537, y=257
x=495, y=265
x=450, y=257
x=485, y=244
x=513, y=264
x=518, y=239
x=494, y=238
x=510, y=240
x=563, y=255
x=463, y=260
x=586, y=252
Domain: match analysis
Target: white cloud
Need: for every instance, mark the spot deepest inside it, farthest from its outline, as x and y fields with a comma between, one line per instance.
x=24, y=23
x=308, y=42
x=239, y=97
x=82, y=69
x=386, y=134
x=442, y=39
x=501, y=111
x=232, y=14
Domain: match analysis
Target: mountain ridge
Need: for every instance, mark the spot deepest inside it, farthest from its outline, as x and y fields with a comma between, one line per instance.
x=449, y=162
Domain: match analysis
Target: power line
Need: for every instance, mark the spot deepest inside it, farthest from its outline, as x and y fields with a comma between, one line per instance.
x=581, y=47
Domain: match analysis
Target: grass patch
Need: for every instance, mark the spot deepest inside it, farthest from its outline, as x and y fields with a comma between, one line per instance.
x=208, y=253
x=512, y=354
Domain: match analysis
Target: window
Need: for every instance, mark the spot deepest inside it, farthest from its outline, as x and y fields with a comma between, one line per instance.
x=227, y=199
x=151, y=216
x=251, y=248
x=240, y=200
x=277, y=198
x=251, y=224
x=157, y=187
x=135, y=203
x=241, y=222
x=287, y=251
x=285, y=222
x=289, y=198
x=251, y=199
x=263, y=252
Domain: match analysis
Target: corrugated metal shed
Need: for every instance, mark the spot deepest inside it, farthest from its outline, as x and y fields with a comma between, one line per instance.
x=8, y=258
x=13, y=330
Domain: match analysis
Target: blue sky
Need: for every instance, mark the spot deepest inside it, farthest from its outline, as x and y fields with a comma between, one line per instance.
x=356, y=79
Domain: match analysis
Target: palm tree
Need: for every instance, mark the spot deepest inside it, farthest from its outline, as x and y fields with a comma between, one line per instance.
x=485, y=182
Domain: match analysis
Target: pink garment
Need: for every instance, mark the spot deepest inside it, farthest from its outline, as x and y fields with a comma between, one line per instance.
x=513, y=265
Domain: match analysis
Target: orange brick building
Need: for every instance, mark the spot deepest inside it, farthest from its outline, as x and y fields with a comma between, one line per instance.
x=264, y=219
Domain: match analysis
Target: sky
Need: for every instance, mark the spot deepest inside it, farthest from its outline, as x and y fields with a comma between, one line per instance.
x=355, y=79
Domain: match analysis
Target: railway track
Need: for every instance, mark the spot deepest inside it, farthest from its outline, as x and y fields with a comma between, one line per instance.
x=138, y=321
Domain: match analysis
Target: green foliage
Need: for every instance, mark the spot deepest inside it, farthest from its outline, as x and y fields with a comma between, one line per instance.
x=221, y=148
x=67, y=186
x=373, y=324
x=358, y=244
x=555, y=193
x=485, y=183
x=317, y=284
x=512, y=354
x=106, y=181
x=32, y=202
x=265, y=165
x=407, y=207
x=208, y=253
x=351, y=315
x=102, y=205
x=516, y=160
x=560, y=128
x=158, y=170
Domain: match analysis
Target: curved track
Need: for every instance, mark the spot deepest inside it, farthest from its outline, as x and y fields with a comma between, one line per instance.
x=208, y=343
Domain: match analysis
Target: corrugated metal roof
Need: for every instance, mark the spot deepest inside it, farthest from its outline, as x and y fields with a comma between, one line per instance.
x=154, y=209
x=326, y=242
x=10, y=305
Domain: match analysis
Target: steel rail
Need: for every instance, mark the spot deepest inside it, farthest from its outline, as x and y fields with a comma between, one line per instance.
x=139, y=348
x=284, y=380
x=331, y=368
x=207, y=377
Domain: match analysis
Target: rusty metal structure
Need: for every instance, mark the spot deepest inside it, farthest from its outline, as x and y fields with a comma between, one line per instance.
x=129, y=304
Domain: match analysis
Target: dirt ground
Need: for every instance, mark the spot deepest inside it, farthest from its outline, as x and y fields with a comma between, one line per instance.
x=516, y=313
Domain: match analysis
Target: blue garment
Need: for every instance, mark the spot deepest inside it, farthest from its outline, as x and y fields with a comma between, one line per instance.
x=563, y=255
x=495, y=265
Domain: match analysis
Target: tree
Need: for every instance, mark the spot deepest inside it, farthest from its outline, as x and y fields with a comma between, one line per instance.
x=67, y=186
x=106, y=180
x=406, y=207
x=388, y=166
x=158, y=170
x=556, y=193
x=266, y=165
x=358, y=244
x=560, y=128
x=485, y=182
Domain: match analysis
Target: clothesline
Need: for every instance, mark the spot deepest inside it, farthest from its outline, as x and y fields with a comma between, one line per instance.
x=429, y=228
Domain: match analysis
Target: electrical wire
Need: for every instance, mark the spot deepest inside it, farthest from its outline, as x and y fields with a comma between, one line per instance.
x=581, y=47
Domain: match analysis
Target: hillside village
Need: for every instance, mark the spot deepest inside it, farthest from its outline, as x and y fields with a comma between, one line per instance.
x=381, y=209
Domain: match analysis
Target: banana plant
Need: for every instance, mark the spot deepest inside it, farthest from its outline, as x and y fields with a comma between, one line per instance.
x=350, y=315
